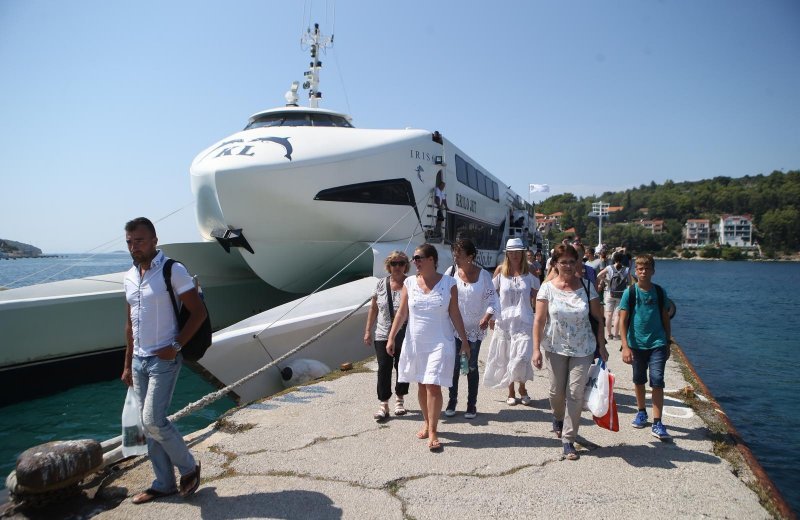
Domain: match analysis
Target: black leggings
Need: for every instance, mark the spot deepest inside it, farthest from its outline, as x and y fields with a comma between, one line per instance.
x=385, y=365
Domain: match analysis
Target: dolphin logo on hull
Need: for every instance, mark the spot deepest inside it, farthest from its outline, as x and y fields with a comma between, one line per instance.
x=283, y=141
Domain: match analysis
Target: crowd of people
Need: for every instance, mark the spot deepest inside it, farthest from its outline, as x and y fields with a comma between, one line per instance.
x=428, y=328
x=541, y=316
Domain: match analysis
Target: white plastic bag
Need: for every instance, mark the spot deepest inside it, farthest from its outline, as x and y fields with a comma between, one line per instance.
x=133, y=438
x=595, y=396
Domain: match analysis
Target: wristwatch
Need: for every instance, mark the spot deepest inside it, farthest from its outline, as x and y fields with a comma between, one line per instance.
x=177, y=346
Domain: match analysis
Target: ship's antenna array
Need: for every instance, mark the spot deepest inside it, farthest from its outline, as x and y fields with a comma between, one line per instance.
x=316, y=42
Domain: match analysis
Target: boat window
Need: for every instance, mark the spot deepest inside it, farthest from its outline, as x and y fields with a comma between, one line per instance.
x=472, y=177
x=393, y=191
x=481, y=183
x=478, y=181
x=483, y=235
x=461, y=170
x=298, y=119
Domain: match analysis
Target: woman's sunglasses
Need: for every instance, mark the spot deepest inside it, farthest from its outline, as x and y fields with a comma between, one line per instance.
x=417, y=258
x=399, y=263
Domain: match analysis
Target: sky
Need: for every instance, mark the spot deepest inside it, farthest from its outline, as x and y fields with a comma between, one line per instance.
x=105, y=103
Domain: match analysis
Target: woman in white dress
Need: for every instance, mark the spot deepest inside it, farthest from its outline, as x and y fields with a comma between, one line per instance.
x=477, y=301
x=563, y=334
x=430, y=301
x=511, y=346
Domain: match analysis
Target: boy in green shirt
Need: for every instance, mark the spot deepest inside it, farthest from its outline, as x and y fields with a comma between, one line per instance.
x=646, y=338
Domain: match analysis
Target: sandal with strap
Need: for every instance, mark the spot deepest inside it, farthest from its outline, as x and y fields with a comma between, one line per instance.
x=399, y=408
x=435, y=446
x=382, y=414
x=190, y=482
x=569, y=452
x=150, y=494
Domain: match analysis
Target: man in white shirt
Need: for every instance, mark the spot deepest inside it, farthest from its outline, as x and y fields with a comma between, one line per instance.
x=153, y=359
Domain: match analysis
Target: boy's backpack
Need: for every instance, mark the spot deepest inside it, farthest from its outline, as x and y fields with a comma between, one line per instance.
x=196, y=347
x=618, y=282
x=660, y=292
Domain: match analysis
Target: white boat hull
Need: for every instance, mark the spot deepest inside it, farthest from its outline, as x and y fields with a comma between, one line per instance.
x=300, y=233
x=60, y=334
x=255, y=342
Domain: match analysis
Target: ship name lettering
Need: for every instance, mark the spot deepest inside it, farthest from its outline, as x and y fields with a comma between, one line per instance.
x=467, y=204
x=422, y=156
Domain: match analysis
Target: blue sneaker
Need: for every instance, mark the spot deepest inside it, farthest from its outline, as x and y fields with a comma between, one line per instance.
x=659, y=431
x=640, y=421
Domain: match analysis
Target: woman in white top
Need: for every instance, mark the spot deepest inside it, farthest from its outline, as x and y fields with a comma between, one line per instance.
x=430, y=302
x=563, y=331
x=511, y=346
x=477, y=301
x=387, y=291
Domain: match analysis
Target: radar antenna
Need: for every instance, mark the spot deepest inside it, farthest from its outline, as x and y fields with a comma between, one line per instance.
x=316, y=42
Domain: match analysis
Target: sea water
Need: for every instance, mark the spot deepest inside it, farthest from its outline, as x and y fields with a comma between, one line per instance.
x=90, y=411
x=736, y=322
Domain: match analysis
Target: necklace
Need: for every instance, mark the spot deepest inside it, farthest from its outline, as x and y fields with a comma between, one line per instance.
x=515, y=290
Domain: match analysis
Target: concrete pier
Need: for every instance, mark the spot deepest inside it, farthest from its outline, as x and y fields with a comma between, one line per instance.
x=316, y=452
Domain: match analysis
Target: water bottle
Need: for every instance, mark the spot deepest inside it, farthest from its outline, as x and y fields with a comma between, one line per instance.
x=464, y=364
x=133, y=439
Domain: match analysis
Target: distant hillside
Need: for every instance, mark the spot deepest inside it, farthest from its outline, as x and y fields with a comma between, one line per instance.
x=773, y=201
x=17, y=249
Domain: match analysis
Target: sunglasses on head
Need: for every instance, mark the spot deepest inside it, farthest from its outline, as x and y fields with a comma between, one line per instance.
x=398, y=263
x=417, y=258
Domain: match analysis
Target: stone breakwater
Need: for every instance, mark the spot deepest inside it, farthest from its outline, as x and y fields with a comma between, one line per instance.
x=316, y=452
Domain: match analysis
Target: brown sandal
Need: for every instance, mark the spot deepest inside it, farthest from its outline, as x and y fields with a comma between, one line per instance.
x=150, y=494
x=190, y=482
x=434, y=445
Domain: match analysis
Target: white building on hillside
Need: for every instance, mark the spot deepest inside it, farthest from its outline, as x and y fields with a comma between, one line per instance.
x=697, y=232
x=736, y=230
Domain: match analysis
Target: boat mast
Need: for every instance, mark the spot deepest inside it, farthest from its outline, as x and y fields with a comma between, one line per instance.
x=316, y=43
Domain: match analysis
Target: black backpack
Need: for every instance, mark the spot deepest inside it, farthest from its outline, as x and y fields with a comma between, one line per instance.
x=660, y=295
x=618, y=282
x=196, y=347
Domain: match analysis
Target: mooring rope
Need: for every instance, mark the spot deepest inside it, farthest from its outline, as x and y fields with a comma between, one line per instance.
x=214, y=396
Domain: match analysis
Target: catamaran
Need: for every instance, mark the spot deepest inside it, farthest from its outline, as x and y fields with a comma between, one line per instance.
x=307, y=200
x=300, y=201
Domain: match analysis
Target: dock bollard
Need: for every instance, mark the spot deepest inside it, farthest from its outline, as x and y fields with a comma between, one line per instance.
x=53, y=470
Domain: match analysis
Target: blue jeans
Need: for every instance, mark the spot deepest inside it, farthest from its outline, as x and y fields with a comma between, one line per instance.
x=654, y=359
x=154, y=381
x=472, y=375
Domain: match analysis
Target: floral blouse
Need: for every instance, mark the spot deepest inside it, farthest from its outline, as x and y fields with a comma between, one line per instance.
x=567, y=331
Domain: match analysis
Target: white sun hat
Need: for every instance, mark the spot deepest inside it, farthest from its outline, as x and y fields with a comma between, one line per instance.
x=514, y=244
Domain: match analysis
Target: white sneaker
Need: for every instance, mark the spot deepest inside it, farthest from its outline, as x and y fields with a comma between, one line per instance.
x=511, y=401
x=471, y=413
x=449, y=412
x=525, y=400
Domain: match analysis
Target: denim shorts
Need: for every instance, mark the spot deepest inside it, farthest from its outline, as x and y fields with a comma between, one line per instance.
x=655, y=359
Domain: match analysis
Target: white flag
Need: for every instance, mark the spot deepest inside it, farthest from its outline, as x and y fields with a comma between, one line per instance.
x=539, y=188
